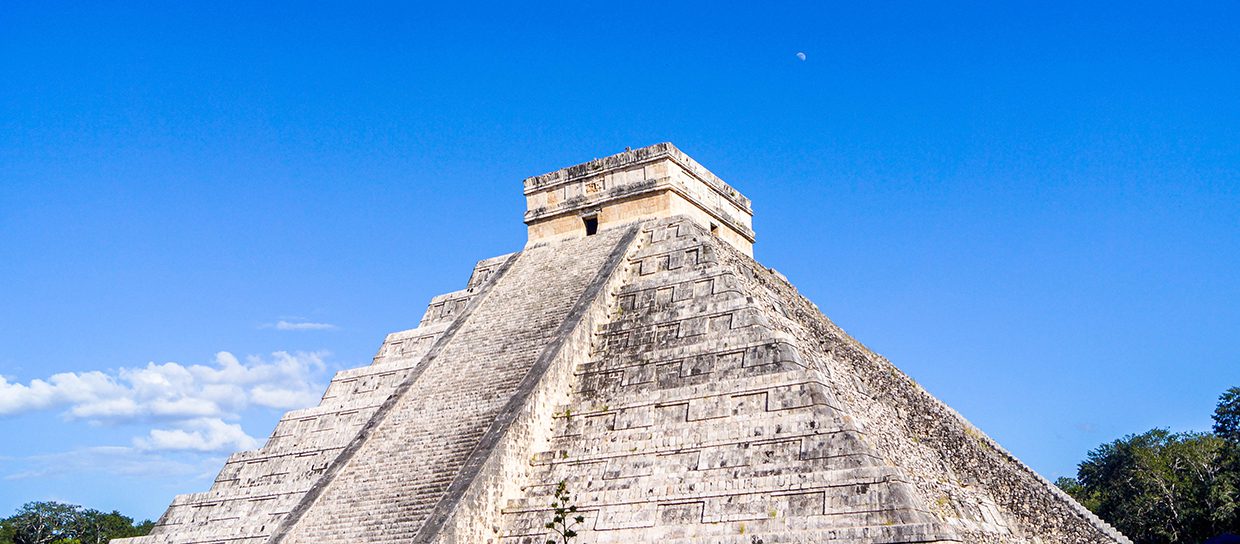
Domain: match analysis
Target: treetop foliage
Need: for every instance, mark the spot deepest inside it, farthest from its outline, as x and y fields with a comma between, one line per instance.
x=1160, y=487
x=58, y=523
x=1227, y=416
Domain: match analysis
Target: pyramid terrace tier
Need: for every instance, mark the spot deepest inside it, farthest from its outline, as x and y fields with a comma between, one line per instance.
x=680, y=390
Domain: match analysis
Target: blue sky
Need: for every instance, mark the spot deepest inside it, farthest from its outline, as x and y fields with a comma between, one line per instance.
x=1032, y=208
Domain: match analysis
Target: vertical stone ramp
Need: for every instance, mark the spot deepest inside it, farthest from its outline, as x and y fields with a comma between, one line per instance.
x=386, y=488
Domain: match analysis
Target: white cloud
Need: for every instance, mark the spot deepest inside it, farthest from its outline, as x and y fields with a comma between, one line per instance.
x=67, y=387
x=120, y=407
x=205, y=434
x=15, y=397
x=283, y=397
x=283, y=325
x=191, y=401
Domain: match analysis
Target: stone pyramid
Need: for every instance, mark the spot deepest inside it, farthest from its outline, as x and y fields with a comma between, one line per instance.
x=635, y=351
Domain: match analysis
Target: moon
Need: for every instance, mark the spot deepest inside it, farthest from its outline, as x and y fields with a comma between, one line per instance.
x=800, y=55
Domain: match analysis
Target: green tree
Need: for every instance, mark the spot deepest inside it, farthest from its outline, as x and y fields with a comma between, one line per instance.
x=1162, y=487
x=42, y=522
x=59, y=523
x=1073, y=487
x=1159, y=487
x=1227, y=416
x=95, y=527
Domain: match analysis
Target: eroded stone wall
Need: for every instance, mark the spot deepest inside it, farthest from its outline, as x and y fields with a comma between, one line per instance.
x=696, y=420
x=719, y=406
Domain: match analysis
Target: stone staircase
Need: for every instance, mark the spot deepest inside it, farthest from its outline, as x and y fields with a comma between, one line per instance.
x=256, y=490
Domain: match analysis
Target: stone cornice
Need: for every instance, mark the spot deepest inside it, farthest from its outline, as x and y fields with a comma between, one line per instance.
x=635, y=157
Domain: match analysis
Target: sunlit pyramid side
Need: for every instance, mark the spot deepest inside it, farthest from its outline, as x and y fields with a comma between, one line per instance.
x=634, y=351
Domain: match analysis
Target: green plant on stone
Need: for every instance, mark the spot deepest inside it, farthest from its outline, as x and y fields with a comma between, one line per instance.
x=566, y=516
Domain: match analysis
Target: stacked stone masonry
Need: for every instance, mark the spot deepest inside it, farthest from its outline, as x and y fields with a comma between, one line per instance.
x=684, y=393
x=715, y=409
x=696, y=398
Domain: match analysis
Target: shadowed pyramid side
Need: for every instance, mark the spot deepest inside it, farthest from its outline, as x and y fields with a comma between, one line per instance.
x=714, y=409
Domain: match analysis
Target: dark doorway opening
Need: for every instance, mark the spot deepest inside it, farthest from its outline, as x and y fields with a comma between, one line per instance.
x=591, y=225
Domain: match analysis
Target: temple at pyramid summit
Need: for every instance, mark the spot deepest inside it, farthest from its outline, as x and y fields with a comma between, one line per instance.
x=634, y=351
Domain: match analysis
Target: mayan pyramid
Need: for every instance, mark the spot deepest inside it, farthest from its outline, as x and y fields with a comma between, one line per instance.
x=635, y=351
